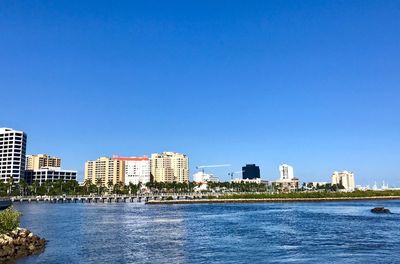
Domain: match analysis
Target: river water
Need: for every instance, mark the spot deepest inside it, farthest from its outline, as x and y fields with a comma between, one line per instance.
x=324, y=232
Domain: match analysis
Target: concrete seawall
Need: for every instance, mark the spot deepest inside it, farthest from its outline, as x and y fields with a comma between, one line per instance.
x=271, y=200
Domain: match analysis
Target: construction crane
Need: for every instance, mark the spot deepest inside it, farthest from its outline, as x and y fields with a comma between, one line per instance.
x=202, y=167
x=233, y=173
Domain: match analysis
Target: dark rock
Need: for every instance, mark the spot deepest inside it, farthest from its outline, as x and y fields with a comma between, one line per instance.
x=380, y=210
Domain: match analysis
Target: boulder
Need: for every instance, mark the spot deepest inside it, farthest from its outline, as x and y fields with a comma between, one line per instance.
x=3, y=241
x=8, y=239
x=31, y=247
x=8, y=250
x=20, y=243
x=380, y=210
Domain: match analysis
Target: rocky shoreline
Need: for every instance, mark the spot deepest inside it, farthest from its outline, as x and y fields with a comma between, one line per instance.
x=20, y=243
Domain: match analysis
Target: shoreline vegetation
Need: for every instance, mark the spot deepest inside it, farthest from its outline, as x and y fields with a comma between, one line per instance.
x=61, y=187
x=289, y=197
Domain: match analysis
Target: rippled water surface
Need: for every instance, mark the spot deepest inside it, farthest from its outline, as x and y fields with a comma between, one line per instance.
x=330, y=232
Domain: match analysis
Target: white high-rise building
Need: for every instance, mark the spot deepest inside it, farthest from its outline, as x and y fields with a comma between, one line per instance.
x=12, y=154
x=344, y=178
x=286, y=172
x=137, y=170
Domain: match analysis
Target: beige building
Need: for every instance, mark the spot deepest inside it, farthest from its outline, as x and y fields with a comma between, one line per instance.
x=285, y=185
x=36, y=162
x=105, y=170
x=344, y=178
x=169, y=167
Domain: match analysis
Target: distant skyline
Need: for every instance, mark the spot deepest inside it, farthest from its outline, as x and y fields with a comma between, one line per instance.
x=314, y=84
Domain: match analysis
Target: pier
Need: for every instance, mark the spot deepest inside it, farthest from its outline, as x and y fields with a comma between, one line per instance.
x=111, y=198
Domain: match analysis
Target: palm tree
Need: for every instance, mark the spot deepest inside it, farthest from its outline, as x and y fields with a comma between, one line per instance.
x=23, y=185
x=10, y=183
x=60, y=182
x=34, y=186
x=74, y=185
x=111, y=186
x=48, y=185
x=87, y=184
x=99, y=184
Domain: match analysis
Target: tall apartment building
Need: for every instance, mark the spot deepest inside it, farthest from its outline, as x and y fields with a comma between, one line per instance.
x=344, y=178
x=137, y=169
x=250, y=171
x=12, y=154
x=105, y=170
x=36, y=162
x=169, y=167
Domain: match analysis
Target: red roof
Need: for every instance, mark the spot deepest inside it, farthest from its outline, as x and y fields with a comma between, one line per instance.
x=131, y=158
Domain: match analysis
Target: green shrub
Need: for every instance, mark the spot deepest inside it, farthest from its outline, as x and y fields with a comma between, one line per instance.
x=170, y=198
x=9, y=220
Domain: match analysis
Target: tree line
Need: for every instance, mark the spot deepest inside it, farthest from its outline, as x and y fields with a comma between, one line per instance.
x=72, y=187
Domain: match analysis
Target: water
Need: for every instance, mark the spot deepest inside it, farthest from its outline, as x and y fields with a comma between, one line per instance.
x=330, y=232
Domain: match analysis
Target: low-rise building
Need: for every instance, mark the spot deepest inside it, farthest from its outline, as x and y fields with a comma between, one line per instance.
x=285, y=185
x=316, y=185
x=256, y=180
x=49, y=174
x=201, y=177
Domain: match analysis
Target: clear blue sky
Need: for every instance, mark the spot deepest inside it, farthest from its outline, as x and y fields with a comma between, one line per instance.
x=311, y=83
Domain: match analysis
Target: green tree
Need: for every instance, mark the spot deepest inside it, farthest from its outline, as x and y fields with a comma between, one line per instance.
x=23, y=185
x=99, y=184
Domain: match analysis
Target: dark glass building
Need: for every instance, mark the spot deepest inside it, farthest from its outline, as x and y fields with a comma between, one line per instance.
x=251, y=171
